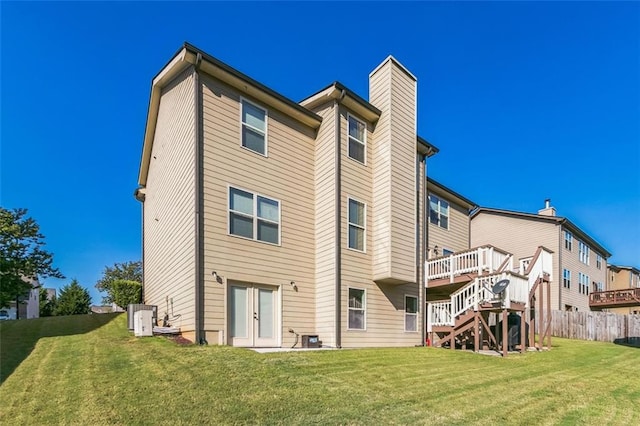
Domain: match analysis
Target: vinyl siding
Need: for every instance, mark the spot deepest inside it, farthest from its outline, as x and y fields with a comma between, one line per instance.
x=394, y=93
x=325, y=235
x=287, y=175
x=169, y=212
x=456, y=237
x=570, y=260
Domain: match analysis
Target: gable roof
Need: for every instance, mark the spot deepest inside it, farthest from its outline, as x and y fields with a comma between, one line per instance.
x=558, y=220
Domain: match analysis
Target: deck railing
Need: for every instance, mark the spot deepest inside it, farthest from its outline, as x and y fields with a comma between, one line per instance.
x=485, y=259
x=615, y=297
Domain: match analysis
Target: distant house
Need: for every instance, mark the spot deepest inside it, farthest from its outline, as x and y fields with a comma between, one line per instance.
x=449, y=223
x=27, y=307
x=264, y=218
x=620, y=278
x=580, y=262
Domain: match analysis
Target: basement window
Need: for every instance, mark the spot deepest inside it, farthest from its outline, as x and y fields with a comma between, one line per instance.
x=410, y=313
x=357, y=303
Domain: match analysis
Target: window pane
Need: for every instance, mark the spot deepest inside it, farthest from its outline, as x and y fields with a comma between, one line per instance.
x=356, y=319
x=241, y=201
x=356, y=238
x=356, y=150
x=356, y=129
x=253, y=140
x=433, y=217
x=411, y=322
x=356, y=213
x=238, y=312
x=253, y=116
x=242, y=226
x=267, y=232
x=355, y=298
x=444, y=208
x=268, y=209
x=265, y=313
x=411, y=304
x=444, y=222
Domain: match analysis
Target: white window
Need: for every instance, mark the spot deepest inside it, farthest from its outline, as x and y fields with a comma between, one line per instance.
x=357, y=219
x=410, y=313
x=566, y=278
x=583, y=283
x=568, y=240
x=357, y=139
x=599, y=286
x=598, y=261
x=254, y=216
x=583, y=252
x=357, y=305
x=438, y=212
x=254, y=127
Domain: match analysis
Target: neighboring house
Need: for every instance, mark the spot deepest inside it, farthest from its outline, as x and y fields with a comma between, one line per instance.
x=264, y=218
x=448, y=220
x=29, y=306
x=580, y=262
x=620, y=278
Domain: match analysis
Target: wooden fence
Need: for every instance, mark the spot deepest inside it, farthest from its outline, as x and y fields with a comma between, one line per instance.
x=600, y=326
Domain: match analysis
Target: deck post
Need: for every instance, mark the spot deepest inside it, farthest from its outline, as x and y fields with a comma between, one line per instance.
x=523, y=331
x=548, y=328
x=505, y=335
x=476, y=332
x=541, y=318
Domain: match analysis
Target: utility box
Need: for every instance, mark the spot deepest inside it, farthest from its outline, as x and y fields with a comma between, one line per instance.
x=310, y=341
x=135, y=307
x=143, y=323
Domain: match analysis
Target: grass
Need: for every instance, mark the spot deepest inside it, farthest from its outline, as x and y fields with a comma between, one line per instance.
x=90, y=370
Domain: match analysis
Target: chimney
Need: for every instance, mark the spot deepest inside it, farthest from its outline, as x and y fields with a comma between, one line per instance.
x=393, y=89
x=548, y=210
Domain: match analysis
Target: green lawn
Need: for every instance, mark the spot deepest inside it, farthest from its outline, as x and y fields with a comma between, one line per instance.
x=90, y=370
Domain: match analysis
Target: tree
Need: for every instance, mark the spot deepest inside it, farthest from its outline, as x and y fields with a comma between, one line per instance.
x=125, y=292
x=128, y=271
x=22, y=255
x=74, y=300
x=47, y=306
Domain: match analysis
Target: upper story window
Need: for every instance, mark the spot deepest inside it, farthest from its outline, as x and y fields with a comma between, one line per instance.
x=583, y=283
x=410, y=313
x=568, y=240
x=357, y=305
x=598, y=261
x=357, y=219
x=566, y=278
x=583, y=252
x=599, y=286
x=254, y=127
x=254, y=216
x=357, y=139
x=438, y=212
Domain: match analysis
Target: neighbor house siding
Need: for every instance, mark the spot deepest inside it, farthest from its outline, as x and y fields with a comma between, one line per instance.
x=287, y=175
x=169, y=212
x=520, y=237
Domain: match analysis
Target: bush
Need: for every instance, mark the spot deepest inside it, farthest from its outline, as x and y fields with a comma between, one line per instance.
x=125, y=292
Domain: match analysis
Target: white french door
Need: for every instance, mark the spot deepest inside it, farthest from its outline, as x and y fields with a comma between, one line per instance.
x=253, y=315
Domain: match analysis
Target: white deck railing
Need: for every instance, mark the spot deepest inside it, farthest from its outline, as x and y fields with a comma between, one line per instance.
x=481, y=260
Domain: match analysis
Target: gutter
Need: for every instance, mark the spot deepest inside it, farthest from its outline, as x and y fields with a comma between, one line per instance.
x=338, y=220
x=199, y=219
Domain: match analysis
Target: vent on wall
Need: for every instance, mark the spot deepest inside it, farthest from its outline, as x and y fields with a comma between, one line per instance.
x=133, y=308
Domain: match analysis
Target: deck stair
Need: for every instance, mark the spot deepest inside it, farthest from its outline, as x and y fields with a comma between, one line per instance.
x=463, y=318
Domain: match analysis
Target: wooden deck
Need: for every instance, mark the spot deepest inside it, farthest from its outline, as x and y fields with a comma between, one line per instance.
x=624, y=298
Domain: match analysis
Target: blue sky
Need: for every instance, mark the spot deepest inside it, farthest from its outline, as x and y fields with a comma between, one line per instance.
x=526, y=101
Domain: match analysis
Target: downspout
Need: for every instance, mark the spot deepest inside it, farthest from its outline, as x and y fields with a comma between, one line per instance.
x=199, y=219
x=423, y=252
x=338, y=219
x=560, y=273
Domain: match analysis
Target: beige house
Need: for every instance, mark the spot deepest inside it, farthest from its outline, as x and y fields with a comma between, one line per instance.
x=621, y=278
x=580, y=262
x=449, y=223
x=265, y=219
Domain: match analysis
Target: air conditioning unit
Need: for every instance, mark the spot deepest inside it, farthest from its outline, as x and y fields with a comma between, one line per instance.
x=143, y=323
x=135, y=307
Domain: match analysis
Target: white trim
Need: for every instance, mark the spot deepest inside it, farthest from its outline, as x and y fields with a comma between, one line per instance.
x=364, y=309
x=391, y=58
x=416, y=314
x=440, y=201
x=364, y=227
x=254, y=216
x=364, y=143
x=266, y=127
